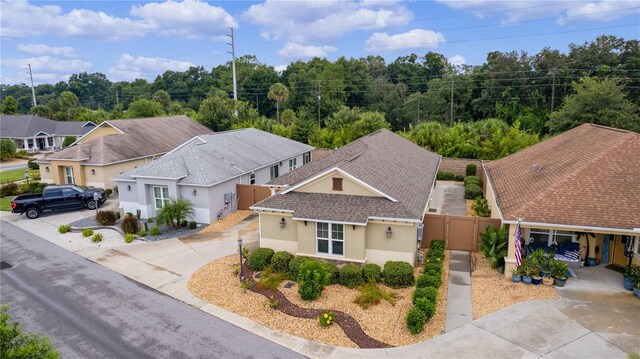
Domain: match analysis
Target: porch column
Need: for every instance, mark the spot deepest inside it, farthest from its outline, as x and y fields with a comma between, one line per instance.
x=510, y=259
x=25, y=143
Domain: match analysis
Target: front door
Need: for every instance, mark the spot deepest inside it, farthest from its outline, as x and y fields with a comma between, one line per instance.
x=618, y=252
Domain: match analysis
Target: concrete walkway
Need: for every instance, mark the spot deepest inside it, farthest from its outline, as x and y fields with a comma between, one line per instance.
x=448, y=198
x=459, y=307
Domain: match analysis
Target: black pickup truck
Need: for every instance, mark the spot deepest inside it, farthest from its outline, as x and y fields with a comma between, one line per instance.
x=55, y=198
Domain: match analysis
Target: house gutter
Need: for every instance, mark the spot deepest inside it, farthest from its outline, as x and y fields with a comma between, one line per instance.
x=577, y=228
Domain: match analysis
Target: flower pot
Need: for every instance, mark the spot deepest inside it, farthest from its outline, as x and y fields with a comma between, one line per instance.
x=636, y=291
x=544, y=273
x=516, y=278
x=547, y=280
x=591, y=262
x=560, y=281
x=628, y=283
x=526, y=280
x=536, y=280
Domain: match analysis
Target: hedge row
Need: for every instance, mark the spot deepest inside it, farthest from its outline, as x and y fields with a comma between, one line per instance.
x=425, y=296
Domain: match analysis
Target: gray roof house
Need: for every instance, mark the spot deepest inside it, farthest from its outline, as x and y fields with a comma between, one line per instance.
x=206, y=169
x=34, y=133
x=364, y=202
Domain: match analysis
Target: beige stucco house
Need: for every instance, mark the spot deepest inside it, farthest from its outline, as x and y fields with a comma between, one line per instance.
x=584, y=180
x=115, y=147
x=364, y=202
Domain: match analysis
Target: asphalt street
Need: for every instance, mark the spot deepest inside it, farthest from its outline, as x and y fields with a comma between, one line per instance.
x=92, y=312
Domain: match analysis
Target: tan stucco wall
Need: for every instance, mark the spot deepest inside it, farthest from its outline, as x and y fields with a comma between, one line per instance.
x=46, y=177
x=270, y=227
x=101, y=131
x=59, y=175
x=324, y=184
x=104, y=174
x=403, y=237
x=490, y=196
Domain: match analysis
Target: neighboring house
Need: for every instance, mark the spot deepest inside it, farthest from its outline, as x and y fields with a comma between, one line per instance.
x=206, y=169
x=34, y=133
x=364, y=202
x=115, y=147
x=584, y=180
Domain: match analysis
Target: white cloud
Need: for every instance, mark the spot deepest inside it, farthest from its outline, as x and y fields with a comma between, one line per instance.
x=294, y=50
x=280, y=68
x=43, y=49
x=306, y=21
x=414, y=39
x=190, y=18
x=602, y=11
x=457, y=60
x=46, y=69
x=129, y=68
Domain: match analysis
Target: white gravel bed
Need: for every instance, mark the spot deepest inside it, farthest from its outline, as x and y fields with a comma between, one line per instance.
x=110, y=238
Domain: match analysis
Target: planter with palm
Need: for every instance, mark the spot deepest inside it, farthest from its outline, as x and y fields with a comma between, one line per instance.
x=493, y=243
x=175, y=211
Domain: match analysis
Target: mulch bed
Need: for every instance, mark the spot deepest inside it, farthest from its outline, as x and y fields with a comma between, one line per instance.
x=348, y=324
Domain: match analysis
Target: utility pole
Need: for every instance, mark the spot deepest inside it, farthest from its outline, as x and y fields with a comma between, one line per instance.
x=419, y=95
x=553, y=88
x=33, y=90
x=319, y=98
x=117, y=100
x=451, y=111
x=233, y=67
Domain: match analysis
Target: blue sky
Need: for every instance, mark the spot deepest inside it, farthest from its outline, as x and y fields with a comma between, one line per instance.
x=141, y=39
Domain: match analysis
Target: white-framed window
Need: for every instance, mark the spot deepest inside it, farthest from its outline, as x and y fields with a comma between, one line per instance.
x=306, y=158
x=330, y=238
x=546, y=237
x=161, y=196
x=273, y=171
x=293, y=164
x=68, y=170
x=252, y=178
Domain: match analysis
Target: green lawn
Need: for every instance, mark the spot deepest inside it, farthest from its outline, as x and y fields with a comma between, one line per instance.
x=14, y=175
x=5, y=203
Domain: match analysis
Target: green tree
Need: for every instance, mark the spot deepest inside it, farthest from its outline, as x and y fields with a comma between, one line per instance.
x=368, y=123
x=42, y=111
x=68, y=140
x=216, y=113
x=9, y=106
x=7, y=148
x=596, y=101
x=288, y=117
x=163, y=98
x=14, y=343
x=144, y=108
x=278, y=93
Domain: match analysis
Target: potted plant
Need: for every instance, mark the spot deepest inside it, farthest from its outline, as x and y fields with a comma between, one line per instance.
x=527, y=271
x=516, y=276
x=631, y=275
x=535, y=275
x=636, y=288
x=559, y=272
x=547, y=280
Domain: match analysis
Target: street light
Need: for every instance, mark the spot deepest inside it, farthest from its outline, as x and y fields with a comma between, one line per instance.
x=26, y=176
x=240, y=251
x=96, y=197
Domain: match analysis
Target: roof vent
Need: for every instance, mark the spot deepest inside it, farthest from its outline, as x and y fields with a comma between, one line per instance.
x=536, y=168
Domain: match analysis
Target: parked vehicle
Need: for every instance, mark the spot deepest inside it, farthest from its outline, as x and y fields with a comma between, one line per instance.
x=54, y=198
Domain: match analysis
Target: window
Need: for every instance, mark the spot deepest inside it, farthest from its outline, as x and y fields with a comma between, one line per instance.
x=69, y=174
x=93, y=172
x=161, y=195
x=292, y=164
x=252, y=178
x=274, y=172
x=546, y=237
x=306, y=158
x=337, y=184
x=69, y=192
x=330, y=238
x=53, y=192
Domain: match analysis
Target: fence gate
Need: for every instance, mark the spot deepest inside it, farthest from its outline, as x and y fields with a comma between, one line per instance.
x=458, y=232
x=250, y=194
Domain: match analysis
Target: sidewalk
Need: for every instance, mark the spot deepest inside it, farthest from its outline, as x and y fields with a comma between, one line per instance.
x=459, y=307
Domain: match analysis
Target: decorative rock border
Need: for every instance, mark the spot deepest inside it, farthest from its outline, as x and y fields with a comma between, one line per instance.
x=79, y=229
x=349, y=325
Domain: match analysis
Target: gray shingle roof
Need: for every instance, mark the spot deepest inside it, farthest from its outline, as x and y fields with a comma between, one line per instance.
x=383, y=160
x=216, y=157
x=20, y=126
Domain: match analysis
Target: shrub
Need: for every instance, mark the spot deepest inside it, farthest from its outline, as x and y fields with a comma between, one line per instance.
x=32, y=164
x=64, y=228
x=260, y=258
x=427, y=307
x=175, y=211
x=10, y=189
x=371, y=294
x=294, y=266
x=472, y=191
x=128, y=238
x=326, y=318
x=87, y=232
x=154, y=231
x=7, y=148
x=481, y=207
x=398, y=274
x=245, y=252
x=475, y=179
x=117, y=215
x=142, y=234
x=435, y=267
x=313, y=276
x=334, y=272
x=280, y=261
x=350, y=275
x=427, y=280
x=108, y=192
x=372, y=272
x=129, y=224
x=415, y=321
x=437, y=244
x=470, y=170
x=270, y=280
x=435, y=254
x=96, y=238
x=150, y=220
x=193, y=225
x=445, y=176
x=106, y=218
x=183, y=223
x=459, y=178
x=428, y=292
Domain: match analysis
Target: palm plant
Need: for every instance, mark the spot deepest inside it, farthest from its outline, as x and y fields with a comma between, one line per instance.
x=175, y=211
x=278, y=93
x=493, y=243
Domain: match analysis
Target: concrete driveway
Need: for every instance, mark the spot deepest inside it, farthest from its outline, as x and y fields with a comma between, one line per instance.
x=448, y=198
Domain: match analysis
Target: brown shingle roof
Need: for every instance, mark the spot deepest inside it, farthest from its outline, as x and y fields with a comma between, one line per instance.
x=588, y=176
x=142, y=137
x=383, y=160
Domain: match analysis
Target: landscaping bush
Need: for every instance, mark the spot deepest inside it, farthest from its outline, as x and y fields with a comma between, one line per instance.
x=398, y=274
x=64, y=228
x=96, y=238
x=427, y=307
x=154, y=231
x=32, y=164
x=470, y=170
x=175, y=211
x=128, y=238
x=150, y=220
x=459, y=178
x=435, y=254
x=193, y=225
x=445, y=176
x=260, y=258
x=10, y=189
x=334, y=272
x=415, y=319
x=428, y=292
x=294, y=266
x=106, y=218
x=427, y=280
x=142, y=234
x=280, y=262
x=117, y=215
x=472, y=191
x=481, y=207
x=371, y=294
x=313, y=276
x=129, y=224
x=87, y=232
x=372, y=272
x=475, y=179
x=108, y=192
x=433, y=267
x=350, y=275
x=437, y=244
x=270, y=280
x=183, y=223
x=326, y=318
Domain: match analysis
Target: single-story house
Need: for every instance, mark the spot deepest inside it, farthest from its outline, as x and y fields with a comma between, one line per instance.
x=364, y=202
x=115, y=147
x=206, y=169
x=34, y=133
x=585, y=180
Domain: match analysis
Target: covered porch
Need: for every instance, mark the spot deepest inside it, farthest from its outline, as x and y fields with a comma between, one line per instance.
x=42, y=142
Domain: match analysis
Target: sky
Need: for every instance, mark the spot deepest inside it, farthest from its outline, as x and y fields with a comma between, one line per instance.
x=126, y=40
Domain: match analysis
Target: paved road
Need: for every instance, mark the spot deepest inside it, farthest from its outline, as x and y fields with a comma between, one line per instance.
x=12, y=167
x=92, y=312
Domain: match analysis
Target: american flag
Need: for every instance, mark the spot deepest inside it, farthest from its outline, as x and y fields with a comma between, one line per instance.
x=518, y=246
